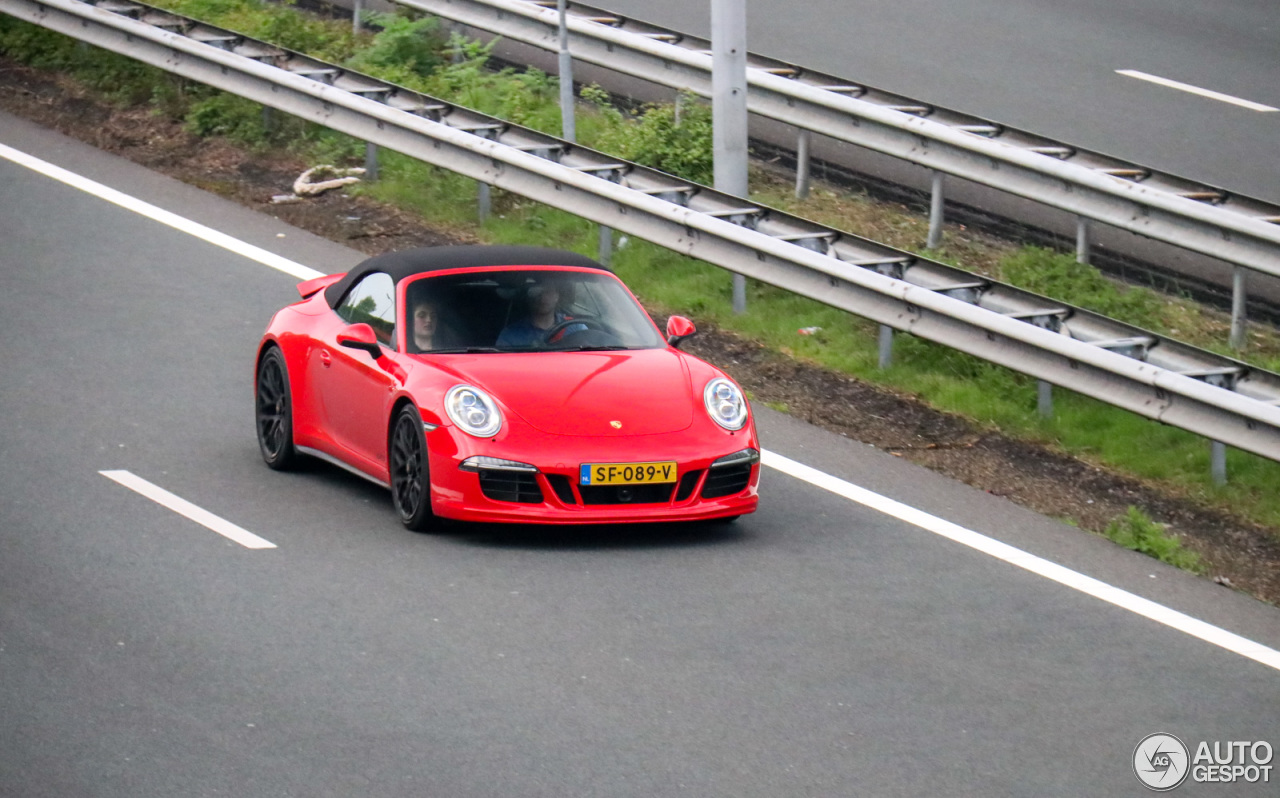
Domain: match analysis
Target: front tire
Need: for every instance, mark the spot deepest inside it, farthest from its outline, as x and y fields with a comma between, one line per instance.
x=410, y=476
x=273, y=412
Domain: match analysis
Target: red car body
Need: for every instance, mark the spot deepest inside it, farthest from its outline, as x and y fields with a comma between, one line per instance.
x=561, y=411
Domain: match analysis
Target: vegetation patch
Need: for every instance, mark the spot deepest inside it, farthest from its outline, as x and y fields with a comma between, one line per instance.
x=1135, y=530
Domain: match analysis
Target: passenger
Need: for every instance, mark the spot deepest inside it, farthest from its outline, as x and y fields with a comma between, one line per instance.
x=543, y=314
x=426, y=318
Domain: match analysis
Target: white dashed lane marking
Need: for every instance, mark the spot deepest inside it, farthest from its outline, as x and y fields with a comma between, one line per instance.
x=185, y=508
x=1187, y=87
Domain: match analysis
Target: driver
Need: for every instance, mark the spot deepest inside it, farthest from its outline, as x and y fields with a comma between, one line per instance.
x=543, y=314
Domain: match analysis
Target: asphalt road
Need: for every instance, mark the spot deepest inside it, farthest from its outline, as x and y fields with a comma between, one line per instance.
x=1049, y=66
x=816, y=648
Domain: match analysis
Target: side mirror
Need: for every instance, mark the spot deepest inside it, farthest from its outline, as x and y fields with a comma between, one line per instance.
x=360, y=336
x=678, y=329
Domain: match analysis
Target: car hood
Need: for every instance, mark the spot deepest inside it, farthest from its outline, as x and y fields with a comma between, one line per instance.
x=641, y=392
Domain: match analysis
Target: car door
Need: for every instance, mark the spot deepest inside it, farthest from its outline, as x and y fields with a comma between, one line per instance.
x=352, y=388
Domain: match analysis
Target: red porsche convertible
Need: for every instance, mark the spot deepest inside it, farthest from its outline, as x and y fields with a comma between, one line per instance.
x=503, y=384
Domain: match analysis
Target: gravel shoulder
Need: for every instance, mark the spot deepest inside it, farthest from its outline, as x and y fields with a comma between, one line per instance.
x=1241, y=554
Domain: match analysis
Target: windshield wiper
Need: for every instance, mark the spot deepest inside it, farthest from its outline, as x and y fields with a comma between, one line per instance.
x=465, y=350
x=602, y=348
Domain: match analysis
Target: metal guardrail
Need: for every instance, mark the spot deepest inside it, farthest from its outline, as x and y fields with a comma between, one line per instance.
x=1159, y=205
x=1223, y=399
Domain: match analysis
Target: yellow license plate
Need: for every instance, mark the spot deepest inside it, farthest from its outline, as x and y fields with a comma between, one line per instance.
x=627, y=473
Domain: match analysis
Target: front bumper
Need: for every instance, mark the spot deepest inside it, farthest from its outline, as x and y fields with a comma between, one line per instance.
x=552, y=495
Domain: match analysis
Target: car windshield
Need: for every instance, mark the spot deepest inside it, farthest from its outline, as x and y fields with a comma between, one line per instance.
x=524, y=310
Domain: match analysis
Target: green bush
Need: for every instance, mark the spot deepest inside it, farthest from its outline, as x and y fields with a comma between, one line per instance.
x=1135, y=530
x=117, y=79
x=321, y=145
x=659, y=140
x=527, y=98
x=35, y=46
x=227, y=115
x=404, y=46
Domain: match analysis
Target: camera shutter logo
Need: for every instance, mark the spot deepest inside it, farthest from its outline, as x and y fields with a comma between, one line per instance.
x=1161, y=762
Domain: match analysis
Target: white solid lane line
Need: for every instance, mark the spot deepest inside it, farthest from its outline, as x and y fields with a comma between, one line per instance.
x=185, y=508
x=1187, y=87
x=159, y=214
x=1059, y=574
x=1036, y=565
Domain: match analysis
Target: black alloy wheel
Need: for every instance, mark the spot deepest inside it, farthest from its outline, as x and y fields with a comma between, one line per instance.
x=410, y=478
x=273, y=412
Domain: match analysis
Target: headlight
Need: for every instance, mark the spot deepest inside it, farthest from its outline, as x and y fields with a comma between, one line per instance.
x=744, y=457
x=482, y=462
x=473, y=411
x=725, y=404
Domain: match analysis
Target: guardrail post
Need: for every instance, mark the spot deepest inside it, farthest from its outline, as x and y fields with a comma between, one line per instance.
x=484, y=201
x=1044, y=398
x=567, y=126
x=370, y=149
x=1239, y=318
x=739, y=294
x=604, y=246
x=802, y=165
x=268, y=119
x=1218, y=462
x=568, y=118
x=886, y=346
x=729, y=109
x=1082, y=240
x=935, y=213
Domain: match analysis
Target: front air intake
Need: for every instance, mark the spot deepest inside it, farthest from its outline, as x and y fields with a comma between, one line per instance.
x=560, y=484
x=726, y=481
x=510, y=486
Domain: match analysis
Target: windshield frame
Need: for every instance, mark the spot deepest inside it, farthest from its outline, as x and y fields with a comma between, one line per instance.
x=470, y=321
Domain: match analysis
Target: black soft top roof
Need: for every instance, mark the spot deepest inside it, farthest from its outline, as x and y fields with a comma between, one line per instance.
x=409, y=262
